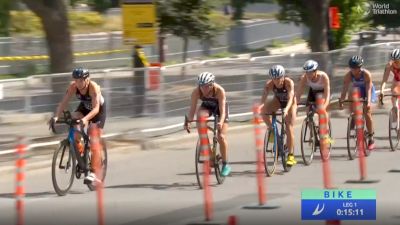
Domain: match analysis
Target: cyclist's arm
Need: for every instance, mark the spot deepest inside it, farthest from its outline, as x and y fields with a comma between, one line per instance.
x=221, y=103
x=70, y=91
x=265, y=93
x=95, y=94
x=327, y=90
x=300, y=88
x=346, y=82
x=385, y=76
x=290, y=90
x=368, y=84
x=193, y=103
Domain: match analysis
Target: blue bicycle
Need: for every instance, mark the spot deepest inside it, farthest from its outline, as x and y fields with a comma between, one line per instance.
x=69, y=162
x=278, y=148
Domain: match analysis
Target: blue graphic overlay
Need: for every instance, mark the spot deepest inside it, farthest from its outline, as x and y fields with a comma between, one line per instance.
x=330, y=204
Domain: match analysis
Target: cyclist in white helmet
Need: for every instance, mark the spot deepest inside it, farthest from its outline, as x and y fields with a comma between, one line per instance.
x=392, y=66
x=316, y=80
x=283, y=90
x=213, y=99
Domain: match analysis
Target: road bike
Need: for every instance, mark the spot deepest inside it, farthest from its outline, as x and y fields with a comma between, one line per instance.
x=394, y=135
x=215, y=154
x=309, y=138
x=278, y=148
x=352, y=144
x=68, y=162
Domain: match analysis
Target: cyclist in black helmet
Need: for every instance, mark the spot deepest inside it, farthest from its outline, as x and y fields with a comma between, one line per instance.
x=91, y=107
x=361, y=78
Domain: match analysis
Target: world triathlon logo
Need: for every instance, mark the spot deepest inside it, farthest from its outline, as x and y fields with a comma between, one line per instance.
x=367, y=9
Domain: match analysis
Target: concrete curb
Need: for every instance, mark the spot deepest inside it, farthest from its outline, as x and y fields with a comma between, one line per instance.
x=19, y=118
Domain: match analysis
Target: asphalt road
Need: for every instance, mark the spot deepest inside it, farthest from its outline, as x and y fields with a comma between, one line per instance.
x=159, y=186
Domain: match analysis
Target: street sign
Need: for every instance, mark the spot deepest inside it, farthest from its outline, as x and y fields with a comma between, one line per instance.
x=139, y=22
x=334, y=17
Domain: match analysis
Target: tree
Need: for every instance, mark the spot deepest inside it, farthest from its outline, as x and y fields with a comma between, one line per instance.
x=53, y=14
x=5, y=7
x=186, y=19
x=351, y=19
x=240, y=5
x=310, y=14
x=100, y=5
x=388, y=20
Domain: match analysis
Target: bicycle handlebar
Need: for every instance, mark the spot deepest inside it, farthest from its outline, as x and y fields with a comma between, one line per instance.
x=67, y=119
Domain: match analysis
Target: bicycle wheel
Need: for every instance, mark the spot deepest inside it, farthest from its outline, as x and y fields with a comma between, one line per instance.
x=284, y=152
x=307, y=142
x=63, y=169
x=329, y=145
x=367, y=152
x=351, y=138
x=104, y=164
x=393, y=131
x=270, y=156
x=199, y=165
x=217, y=162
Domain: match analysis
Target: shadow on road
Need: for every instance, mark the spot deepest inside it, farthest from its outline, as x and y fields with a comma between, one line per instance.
x=177, y=186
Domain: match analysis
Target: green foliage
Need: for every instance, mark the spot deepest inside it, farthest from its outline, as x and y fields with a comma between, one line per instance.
x=239, y=5
x=387, y=20
x=100, y=5
x=351, y=19
x=186, y=18
x=5, y=6
x=27, y=22
x=85, y=19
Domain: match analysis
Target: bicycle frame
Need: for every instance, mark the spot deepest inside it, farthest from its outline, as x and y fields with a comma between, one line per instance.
x=82, y=160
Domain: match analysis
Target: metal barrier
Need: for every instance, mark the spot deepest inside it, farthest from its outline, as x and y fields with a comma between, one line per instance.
x=242, y=78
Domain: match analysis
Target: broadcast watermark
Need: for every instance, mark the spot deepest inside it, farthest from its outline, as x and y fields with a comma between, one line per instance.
x=376, y=9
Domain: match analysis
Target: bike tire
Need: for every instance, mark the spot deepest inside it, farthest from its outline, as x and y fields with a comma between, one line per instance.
x=393, y=132
x=367, y=152
x=104, y=165
x=199, y=166
x=351, y=139
x=63, y=151
x=217, y=158
x=307, y=144
x=284, y=152
x=270, y=156
x=329, y=146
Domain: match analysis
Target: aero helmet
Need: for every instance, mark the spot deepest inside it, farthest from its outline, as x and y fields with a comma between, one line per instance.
x=310, y=65
x=205, y=78
x=276, y=71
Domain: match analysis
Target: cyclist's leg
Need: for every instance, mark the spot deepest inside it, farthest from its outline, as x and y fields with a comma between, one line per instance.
x=97, y=122
x=223, y=143
x=78, y=114
x=269, y=107
x=395, y=91
x=290, y=120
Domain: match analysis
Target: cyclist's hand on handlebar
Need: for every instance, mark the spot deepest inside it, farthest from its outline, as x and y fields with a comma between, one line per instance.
x=186, y=126
x=284, y=112
x=381, y=98
x=219, y=126
x=340, y=103
x=51, y=122
x=84, y=122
